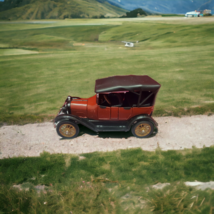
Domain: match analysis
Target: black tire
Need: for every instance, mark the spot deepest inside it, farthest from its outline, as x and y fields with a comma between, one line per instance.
x=67, y=129
x=142, y=129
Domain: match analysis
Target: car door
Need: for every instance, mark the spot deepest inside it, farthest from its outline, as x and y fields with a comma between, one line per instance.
x=125, y=113
x=114, y=113
x=104, y=112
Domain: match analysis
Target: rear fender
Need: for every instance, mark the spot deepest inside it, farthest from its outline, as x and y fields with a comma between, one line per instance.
x=139, y=118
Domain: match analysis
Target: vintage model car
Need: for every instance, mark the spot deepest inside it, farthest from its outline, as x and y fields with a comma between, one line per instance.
x=121, y=103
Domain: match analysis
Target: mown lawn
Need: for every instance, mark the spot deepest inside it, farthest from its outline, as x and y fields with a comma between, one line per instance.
x=39, y=67
x=112, y=182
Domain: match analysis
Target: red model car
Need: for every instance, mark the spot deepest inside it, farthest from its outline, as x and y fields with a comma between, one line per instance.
x=121, y=103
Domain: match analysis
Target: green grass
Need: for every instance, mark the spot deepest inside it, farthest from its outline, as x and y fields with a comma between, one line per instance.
x=39, y=67
x=112, y=182
x=173, y=15
x=153, y=35
x=181, y=199
x=74, y=198
x=54, y=37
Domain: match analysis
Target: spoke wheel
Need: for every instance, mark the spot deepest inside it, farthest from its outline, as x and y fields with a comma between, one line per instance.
x=67, y=129
x=142, y=129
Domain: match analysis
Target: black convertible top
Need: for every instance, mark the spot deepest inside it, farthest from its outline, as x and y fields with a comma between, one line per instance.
x=126, y=83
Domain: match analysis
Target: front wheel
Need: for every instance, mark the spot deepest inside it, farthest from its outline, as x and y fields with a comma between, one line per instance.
x=143, y=129
x=67, y=129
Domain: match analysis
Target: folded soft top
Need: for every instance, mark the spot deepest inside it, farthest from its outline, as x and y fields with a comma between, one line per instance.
x=126, y=83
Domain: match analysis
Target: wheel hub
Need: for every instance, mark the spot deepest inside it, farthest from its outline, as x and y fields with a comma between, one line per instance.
x=67, y=130
x=143, y=129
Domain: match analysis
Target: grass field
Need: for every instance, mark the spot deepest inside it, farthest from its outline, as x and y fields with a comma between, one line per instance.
x=40, y=64
x=112, y=182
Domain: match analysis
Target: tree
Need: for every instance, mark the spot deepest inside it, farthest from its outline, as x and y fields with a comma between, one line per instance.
x=135, y=13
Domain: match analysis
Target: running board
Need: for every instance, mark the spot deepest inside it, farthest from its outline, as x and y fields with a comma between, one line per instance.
x=107, y=126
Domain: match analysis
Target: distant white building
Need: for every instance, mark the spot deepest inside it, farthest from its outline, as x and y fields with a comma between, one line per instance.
x=207, y=11
x=192, y=14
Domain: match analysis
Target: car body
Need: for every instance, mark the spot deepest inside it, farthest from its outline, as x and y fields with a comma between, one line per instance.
x=193, y=14
x=129, y=44
x=121, y=103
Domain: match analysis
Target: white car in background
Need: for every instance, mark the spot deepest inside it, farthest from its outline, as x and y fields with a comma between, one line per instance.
x=193, y=14
x=128, y=44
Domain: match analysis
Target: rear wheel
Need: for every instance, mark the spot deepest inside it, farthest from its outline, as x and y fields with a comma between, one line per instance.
x=143, y=129
x=67, y=129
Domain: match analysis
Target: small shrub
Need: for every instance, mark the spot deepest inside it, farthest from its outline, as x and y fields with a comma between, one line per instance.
x=179, y=198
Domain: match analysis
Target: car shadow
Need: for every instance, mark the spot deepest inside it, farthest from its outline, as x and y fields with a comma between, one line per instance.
x=85, y=130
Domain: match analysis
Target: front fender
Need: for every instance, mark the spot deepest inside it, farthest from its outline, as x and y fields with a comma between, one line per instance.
x=75, y=119
x=64, y=117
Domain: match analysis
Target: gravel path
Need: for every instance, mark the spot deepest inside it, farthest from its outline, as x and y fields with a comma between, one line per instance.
x=174, y=134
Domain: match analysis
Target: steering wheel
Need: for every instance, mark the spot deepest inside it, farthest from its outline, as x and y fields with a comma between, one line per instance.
x=106, y=99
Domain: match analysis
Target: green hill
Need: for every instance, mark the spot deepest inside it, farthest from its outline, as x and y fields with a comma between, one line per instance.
x=57, y=9
x=165, y=6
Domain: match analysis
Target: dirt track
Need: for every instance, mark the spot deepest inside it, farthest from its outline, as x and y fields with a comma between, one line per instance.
x=174, y=134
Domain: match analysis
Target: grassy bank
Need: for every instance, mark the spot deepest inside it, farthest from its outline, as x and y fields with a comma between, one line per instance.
x=41, y=65
x=173, y=15
x=112, y=182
